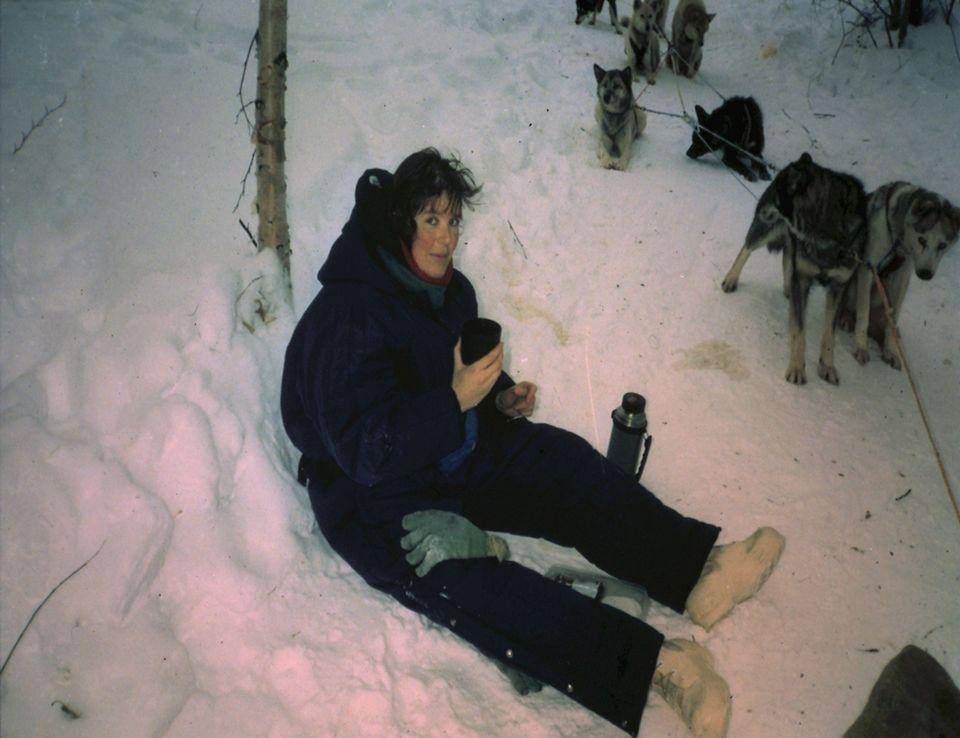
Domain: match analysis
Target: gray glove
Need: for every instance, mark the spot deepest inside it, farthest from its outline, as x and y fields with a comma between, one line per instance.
x=437, y=535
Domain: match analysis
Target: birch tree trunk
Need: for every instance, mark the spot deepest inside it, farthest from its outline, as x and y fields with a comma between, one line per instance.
x=272, y=230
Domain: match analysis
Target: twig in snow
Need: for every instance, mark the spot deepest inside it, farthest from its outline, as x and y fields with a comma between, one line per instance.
x=897, y=499
x=252, y=239
x=44, y=602
x=243, y=182
x=813, y=141
x=66, y=709
x=522, y=249
x=932, y=631
x=34, y=125
x=196, y=16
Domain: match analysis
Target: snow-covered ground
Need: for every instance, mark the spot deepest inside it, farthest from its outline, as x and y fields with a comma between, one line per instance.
x=141, y=347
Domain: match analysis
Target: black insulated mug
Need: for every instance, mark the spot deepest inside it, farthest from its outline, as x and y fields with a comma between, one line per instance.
x=478, y=338
x=629, y=440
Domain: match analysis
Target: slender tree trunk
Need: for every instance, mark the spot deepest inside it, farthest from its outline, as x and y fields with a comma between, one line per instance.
x=915, y=12
x=272, y=231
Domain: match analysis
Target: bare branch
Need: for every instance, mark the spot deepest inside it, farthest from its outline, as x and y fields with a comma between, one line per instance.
x=243, y=182
x=252, y=239
x=243, y=105
x=34, y=125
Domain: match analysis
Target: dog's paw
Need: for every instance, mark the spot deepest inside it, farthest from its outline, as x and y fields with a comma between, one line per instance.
x=892, y=359
x=729, y=284
x=749, y=176
x=862, y=356
x=796, y=375
x=764, y=174
x=827, y=373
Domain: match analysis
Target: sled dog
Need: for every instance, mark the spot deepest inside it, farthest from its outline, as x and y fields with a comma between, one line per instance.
x=642, y=42
x=619, y=119
x=690, y=24
x=735, y=125
x=909, y=230
x=592, y=7
x=817, y=217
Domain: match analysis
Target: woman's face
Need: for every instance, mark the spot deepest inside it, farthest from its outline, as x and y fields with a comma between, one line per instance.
x=435, y=240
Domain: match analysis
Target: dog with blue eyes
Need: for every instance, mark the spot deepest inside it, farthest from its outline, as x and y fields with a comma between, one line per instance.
x=592, y=7
x=909, y=231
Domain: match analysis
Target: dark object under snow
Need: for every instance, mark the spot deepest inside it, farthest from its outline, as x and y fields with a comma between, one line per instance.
x=913, y=698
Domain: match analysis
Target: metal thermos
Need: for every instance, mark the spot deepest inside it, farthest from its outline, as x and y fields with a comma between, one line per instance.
x=629, y=440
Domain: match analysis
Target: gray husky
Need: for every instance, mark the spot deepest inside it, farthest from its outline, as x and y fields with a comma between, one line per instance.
x=910, y=229
x=592, y=7
x=642, y=41
x=620, y=120
x=733, y=128
x=690, y=24
x=818, y=218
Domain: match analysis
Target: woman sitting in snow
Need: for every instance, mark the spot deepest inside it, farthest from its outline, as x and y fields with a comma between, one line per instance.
x=411, y=458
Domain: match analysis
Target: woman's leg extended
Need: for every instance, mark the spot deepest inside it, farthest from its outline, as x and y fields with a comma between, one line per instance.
x=595, y=654
x=539, y=480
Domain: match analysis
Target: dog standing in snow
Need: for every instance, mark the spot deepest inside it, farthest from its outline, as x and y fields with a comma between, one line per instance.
x=733, y=128
x=690, y=24
x=592, y=7
x=818, y=218
x=910, y=229
x=642, y=42
x=620, y=120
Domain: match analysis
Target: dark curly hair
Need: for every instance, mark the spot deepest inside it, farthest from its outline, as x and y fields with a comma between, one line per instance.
x=423, y=177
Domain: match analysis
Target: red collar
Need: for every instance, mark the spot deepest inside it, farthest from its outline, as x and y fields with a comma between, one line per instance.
x=408, y=257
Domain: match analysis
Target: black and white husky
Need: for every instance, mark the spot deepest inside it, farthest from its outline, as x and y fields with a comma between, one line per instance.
x=619, y=119
x=592, y=7
x=642, y=41
x=910, y=229
x=818, y=218
x=733, y=128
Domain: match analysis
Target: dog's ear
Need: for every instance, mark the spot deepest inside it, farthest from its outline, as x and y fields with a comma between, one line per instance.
x=710, y=17
x=627, y=74
x=598, y=72
x=806, y=158
x=923, y=208
x=701, y=114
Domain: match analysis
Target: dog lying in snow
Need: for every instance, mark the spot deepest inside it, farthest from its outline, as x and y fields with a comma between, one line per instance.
x=620, y=120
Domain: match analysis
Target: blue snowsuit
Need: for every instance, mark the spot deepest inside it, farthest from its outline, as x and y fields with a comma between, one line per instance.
x=366, y=395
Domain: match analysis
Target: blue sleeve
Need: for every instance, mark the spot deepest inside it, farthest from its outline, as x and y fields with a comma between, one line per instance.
x=375, y=429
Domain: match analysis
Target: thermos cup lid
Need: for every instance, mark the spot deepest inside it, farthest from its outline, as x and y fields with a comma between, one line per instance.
x=633, y=403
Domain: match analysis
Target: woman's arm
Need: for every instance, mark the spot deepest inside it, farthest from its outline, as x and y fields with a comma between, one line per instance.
x=375, y=429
